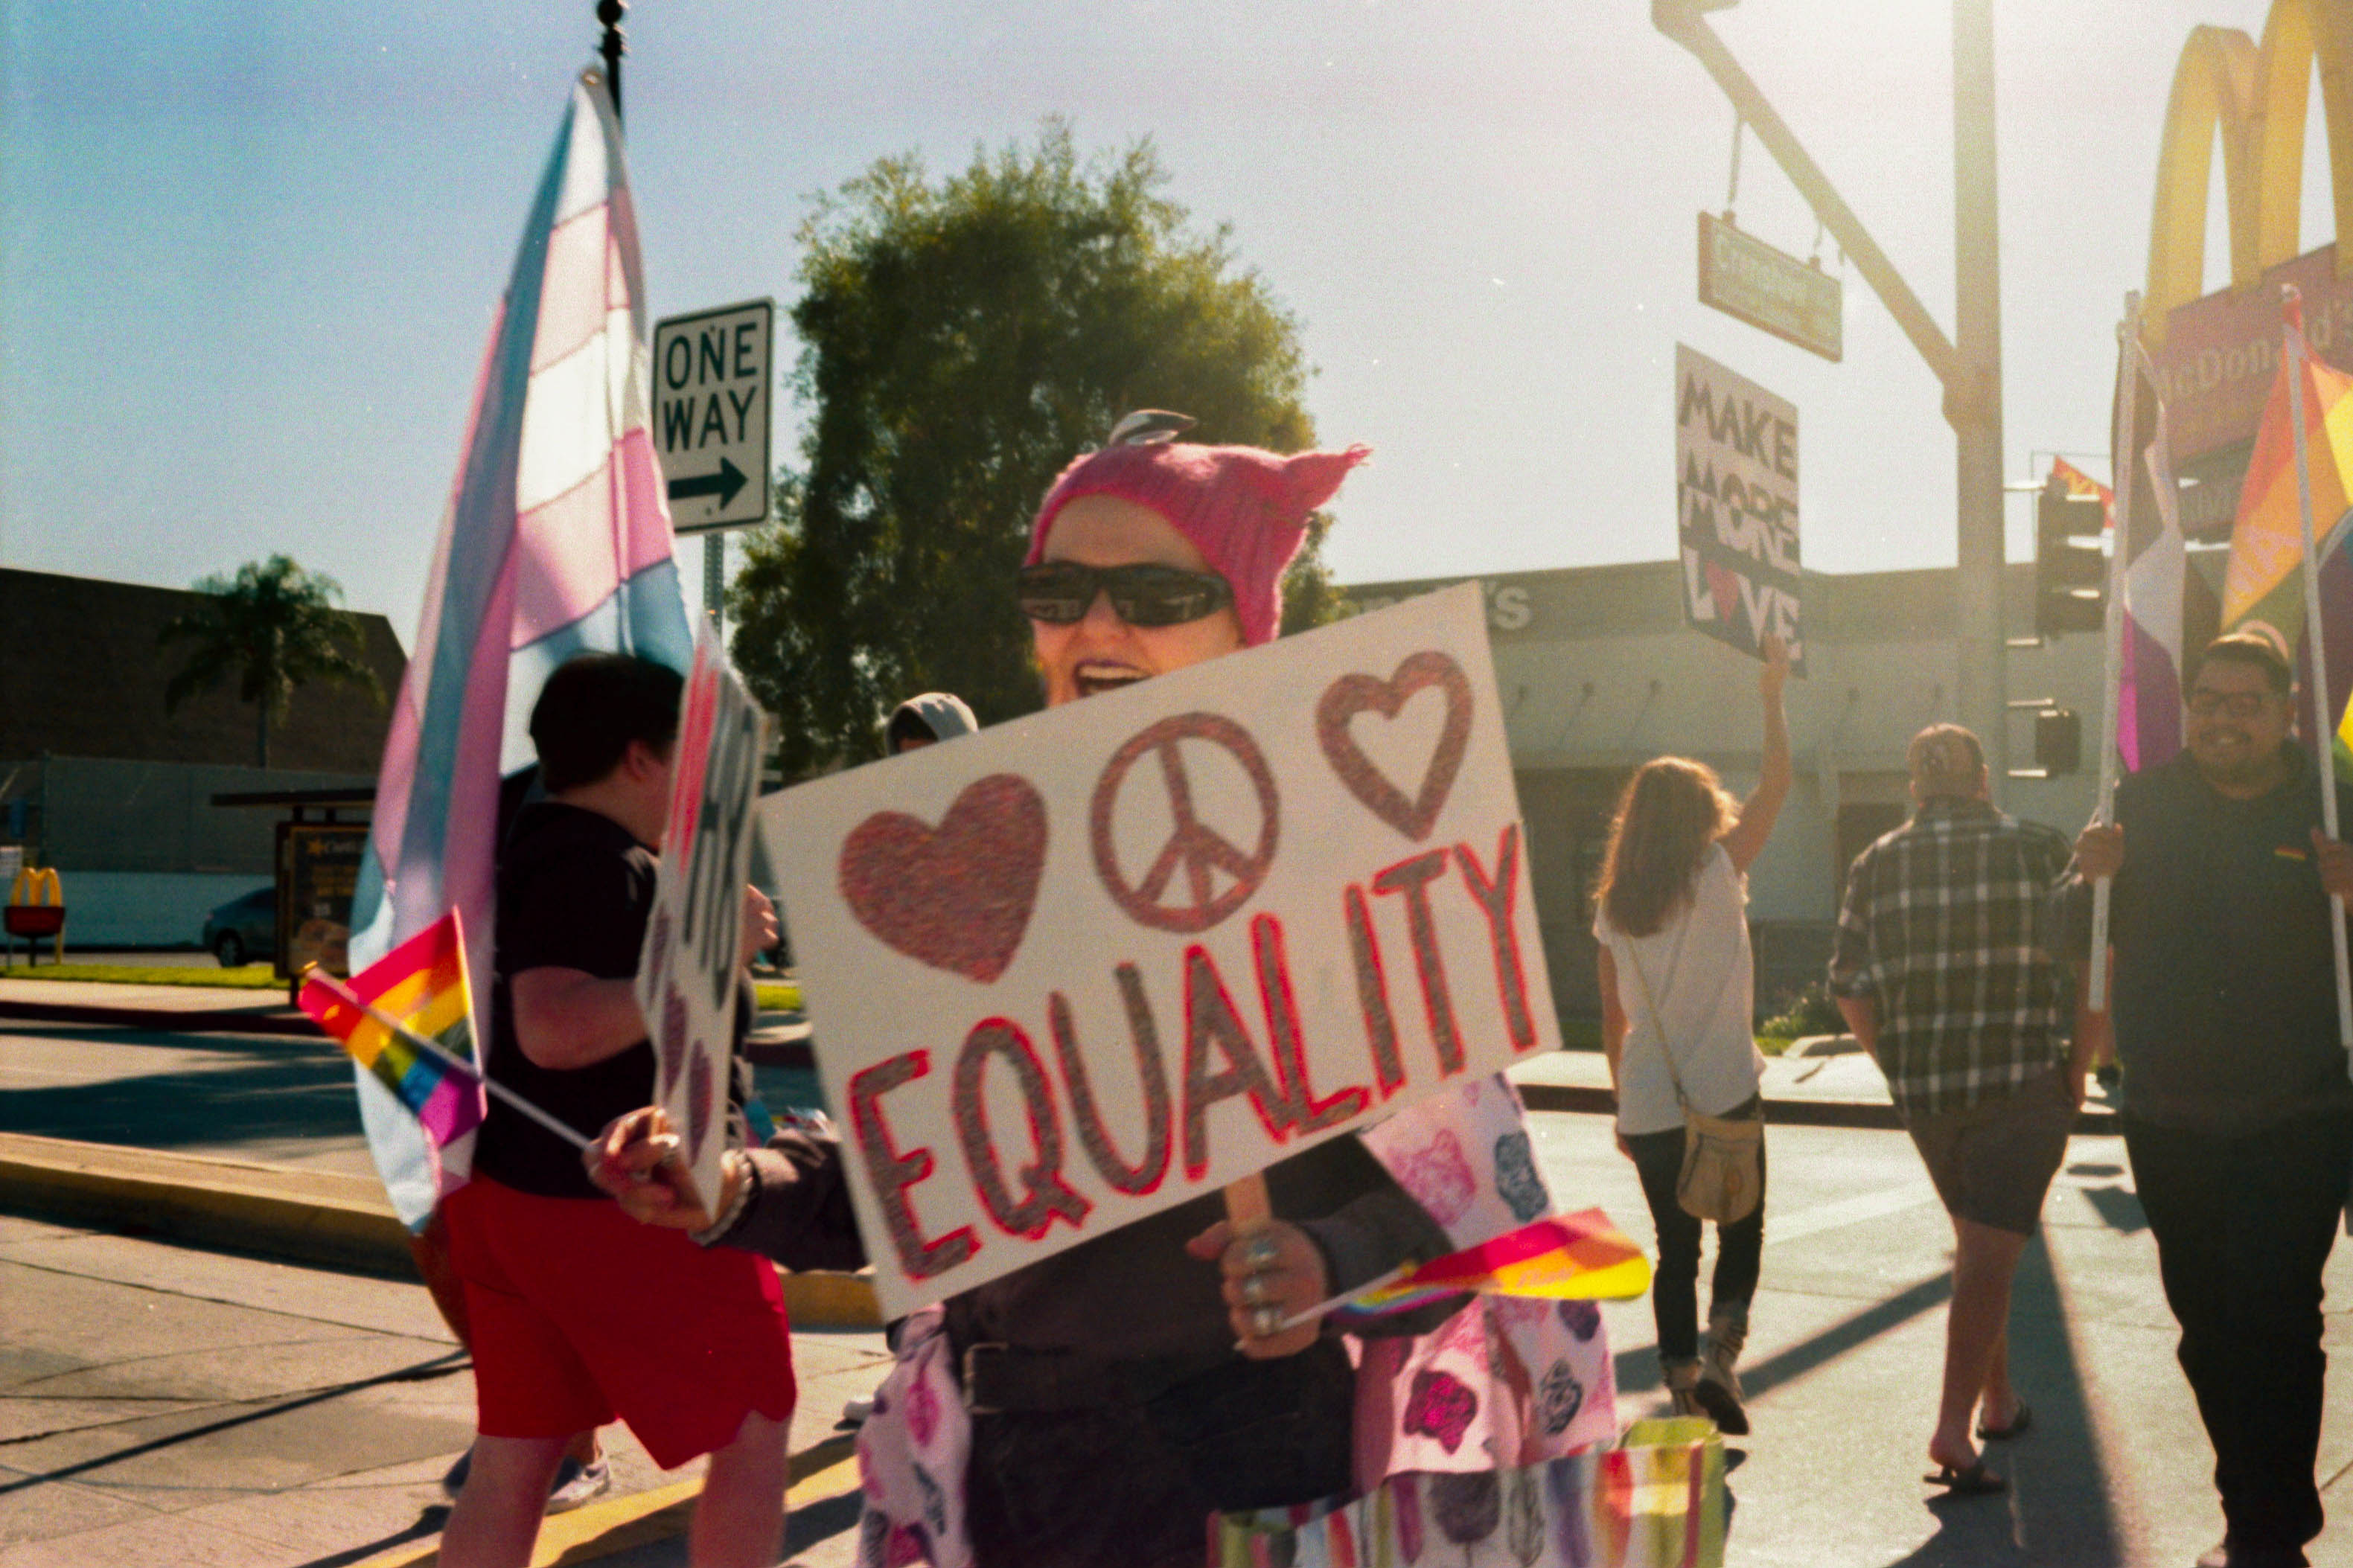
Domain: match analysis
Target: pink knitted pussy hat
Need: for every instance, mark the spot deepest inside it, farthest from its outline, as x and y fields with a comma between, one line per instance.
x=1244, y=510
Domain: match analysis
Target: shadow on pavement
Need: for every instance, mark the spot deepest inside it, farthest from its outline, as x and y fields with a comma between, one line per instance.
x=2056, y=1511
x=251, y=1090
x=821, y=1521
x=428, y=1524
x=1637, y=1370
x=442, y=1365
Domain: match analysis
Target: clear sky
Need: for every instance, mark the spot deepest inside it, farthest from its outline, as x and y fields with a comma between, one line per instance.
x=248, y=254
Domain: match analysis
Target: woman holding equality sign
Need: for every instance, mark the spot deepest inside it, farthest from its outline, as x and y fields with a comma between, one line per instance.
x=1100, y=1404
x=1678, y=991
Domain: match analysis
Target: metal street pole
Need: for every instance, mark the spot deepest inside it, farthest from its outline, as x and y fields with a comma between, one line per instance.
x=1982, y=688
x=1970, y=371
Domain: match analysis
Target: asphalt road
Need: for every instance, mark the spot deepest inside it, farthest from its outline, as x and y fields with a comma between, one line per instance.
x=146, y=1392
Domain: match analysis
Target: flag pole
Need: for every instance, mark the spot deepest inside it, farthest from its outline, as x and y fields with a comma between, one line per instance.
x=2324, y=728
x=2126, y=465
x=351, y=998
x=613, y=46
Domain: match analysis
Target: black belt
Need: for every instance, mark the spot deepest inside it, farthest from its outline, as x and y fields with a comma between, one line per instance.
x=1002, y=1379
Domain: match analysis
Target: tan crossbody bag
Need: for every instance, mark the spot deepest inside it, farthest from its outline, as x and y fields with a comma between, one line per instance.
x=1723, y=1155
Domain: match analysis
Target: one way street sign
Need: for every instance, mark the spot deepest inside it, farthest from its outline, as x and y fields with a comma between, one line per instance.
x=711, y=375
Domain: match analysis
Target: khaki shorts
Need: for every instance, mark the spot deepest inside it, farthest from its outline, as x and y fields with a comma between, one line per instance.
x=1993, y=1162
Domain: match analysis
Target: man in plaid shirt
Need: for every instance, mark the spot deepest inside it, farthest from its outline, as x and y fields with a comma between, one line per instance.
x=1945, y=970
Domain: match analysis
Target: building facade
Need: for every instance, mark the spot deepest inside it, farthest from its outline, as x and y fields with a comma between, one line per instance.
x=1597, y=674
x=97, y=780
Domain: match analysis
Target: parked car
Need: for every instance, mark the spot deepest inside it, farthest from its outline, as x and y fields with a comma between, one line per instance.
x=244, y=930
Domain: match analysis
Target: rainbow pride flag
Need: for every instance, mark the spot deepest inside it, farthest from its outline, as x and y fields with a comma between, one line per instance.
x=1567, y=1257
x=2261, y=591
x=556, y=540
x=422, y=982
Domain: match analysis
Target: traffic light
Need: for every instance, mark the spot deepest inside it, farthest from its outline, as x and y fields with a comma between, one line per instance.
x=2058, y=741
x=2071, y=571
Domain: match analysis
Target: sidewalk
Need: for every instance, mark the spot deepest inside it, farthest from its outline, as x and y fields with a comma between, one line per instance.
x=1825, y=1081
x=1848, y=1338
x=166, y=1406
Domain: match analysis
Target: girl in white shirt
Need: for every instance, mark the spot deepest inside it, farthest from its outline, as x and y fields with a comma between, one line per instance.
x=1677, y=977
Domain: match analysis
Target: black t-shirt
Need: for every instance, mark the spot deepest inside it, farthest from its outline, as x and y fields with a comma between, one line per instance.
x=2226, y=992
x=575, y=891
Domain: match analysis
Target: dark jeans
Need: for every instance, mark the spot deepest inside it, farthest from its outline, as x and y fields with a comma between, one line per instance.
x=1132, y=1486
x=1674, y=1283
x=2244, y=1226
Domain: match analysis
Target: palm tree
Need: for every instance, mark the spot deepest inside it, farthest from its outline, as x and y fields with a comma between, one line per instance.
x=275, y=627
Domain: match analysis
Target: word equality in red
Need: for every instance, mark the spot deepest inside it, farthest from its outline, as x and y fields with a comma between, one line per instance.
x=1023, y=1189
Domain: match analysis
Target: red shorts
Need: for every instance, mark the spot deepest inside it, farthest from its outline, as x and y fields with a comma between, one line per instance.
x=579, y=1314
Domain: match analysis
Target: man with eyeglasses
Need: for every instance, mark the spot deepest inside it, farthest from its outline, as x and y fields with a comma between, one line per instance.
x=2238, y=1111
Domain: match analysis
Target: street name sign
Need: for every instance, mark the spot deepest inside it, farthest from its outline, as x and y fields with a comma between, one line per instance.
x=1791, y=299
x=712, y=371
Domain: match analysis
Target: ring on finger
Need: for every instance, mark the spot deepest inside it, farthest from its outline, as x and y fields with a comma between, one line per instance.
x=1265, y=1321
x=1257, y=1290
x=1262, y=1252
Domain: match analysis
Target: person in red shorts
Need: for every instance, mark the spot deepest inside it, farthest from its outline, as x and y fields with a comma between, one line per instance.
x=579, y=1314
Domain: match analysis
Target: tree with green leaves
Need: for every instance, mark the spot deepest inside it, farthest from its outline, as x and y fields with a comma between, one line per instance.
x=274, y=626
x=962, y=340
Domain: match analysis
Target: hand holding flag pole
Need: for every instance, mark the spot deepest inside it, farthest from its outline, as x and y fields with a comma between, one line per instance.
x=449, y=1064
x=2324, y=724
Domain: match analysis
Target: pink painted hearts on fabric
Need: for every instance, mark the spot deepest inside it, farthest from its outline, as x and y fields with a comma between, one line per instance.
x=1440, y=1407
x=957, y=897
x=1353, y=694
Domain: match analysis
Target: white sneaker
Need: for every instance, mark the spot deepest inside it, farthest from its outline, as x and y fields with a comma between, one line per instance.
x=854, y=1412
x=576, y=1483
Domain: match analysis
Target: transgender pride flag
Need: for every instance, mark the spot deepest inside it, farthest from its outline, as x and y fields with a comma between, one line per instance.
x=557, y=539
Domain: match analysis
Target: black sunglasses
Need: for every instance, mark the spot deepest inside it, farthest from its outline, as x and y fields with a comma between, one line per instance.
x=1060, y=593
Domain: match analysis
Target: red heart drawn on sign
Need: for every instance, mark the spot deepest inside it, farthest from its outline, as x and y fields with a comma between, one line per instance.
x=1353, y=694
x=957, y=897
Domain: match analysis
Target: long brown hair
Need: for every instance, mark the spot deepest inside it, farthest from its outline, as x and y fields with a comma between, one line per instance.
x=1671, y=810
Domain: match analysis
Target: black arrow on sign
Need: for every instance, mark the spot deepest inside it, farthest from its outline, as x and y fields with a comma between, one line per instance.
x=723, y=484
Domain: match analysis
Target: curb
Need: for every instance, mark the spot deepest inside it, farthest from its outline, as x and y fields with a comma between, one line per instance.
x=316, y=1217
x=613, y=1525
x=2090, y=1121
x=196, y=1021
x=307, y=1216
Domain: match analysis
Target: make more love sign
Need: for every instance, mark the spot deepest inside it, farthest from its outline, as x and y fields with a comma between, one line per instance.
x=689, y=980
x=1086, y=965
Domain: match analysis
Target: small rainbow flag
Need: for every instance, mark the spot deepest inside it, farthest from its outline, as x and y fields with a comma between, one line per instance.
x=422, y=982
x=1567, y=1257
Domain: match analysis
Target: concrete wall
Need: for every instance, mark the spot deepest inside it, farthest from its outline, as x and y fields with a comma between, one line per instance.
x=104, y=813
x=144, y=908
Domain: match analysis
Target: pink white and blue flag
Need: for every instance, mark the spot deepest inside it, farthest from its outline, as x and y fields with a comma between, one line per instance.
x=557, y=539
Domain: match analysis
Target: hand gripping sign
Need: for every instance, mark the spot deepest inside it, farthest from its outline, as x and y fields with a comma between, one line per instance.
x=1089, y=964
x=688, y=973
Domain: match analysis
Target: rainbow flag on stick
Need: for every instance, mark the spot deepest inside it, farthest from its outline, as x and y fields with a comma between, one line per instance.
x=1566, y=1257
x=408, y=1019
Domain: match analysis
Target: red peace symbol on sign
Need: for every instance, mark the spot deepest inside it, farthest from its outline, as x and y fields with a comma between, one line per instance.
x=1193, y=847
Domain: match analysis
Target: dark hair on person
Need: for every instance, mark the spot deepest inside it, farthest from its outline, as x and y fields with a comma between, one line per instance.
x=593, y=707
x=1671, y=810
x=2251, y=649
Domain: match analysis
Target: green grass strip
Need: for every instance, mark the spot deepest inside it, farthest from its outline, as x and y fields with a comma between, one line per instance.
x=251, y=977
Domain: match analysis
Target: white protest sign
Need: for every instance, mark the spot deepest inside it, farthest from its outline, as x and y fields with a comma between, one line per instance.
x=1086, y=965
x=687, y=971
x=1737, y=507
